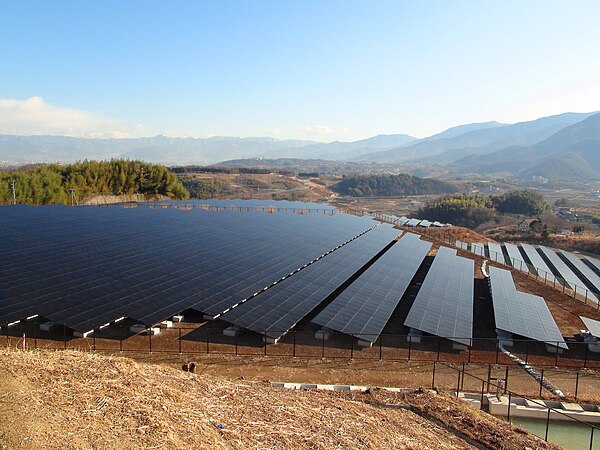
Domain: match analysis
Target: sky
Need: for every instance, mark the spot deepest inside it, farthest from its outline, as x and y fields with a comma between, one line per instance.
x=323, y=70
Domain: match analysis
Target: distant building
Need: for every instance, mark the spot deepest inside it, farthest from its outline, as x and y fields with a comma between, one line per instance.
x=523, y=226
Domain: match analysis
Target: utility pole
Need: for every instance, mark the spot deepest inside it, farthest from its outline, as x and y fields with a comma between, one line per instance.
x=12, y=186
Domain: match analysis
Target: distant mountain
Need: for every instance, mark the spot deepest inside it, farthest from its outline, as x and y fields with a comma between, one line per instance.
x=462, y=129
x=345, y=150
x=571, y=153
x=159, y=149
x=484, y=138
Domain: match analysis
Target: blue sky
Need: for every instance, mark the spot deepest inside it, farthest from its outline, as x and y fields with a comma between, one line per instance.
x=321, y=70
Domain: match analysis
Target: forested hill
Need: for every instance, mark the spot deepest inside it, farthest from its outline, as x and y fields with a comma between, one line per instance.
x=48, y=184
x=391, y=185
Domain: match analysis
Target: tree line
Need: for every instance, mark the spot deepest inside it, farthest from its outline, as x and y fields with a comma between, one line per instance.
x=472, y=210
x=390, y=185
x=53, y=183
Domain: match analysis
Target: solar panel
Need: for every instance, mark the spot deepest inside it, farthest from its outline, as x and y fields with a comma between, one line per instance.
x=275, y=311
x=402, y=220
x=571, y=280
x=593, y=326
x=521, y=313
x=590, y=278
x=87, y=266
x=478, y=249
x=538, y=262
x=495, y=252
x=413, y=222
x=364, y=308
x=515, y=258
x=593, y=263
x=462, y=245
x=444, y=304
x=425, y=223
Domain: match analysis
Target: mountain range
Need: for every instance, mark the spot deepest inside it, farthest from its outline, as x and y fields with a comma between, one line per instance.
x=564, y=146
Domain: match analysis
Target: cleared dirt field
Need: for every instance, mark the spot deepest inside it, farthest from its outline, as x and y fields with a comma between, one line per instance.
x=71, y=399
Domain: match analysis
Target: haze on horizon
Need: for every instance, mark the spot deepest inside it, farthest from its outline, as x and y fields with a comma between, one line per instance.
x=336, y=70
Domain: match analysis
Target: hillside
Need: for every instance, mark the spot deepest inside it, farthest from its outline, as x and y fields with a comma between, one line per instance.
x=391, y=185
x=571, y=153
x=68, y=400
x=52, y=184
x=345, y=150
x=482, y=140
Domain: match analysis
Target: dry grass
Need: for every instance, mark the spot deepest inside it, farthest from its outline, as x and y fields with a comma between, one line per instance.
x=68, y=399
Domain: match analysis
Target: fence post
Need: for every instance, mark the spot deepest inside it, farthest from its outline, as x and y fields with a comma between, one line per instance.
x=576, y=384
x=470, y=346
x=265, y=341
x=236, y=344
x=322, y=346
x=179, y=330
x=547, y=424
x=294, y=344
x=433, y=376
x=506, y=380
x=462, y=383
x=481, y=398
x=351, y=348
x=489, y=377
x=437, y=358
x=93, y=341
x=508, y=412
x=458, y=383
x=541, y=382
x=497, y=351
x=150, y=340
x=207, y=341
x=121, y=345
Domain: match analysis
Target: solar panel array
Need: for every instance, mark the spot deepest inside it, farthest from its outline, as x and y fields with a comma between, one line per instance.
x=593, y=280
x=478, y=249
x=521, y=313
x=364, y=308
x=563, y=270
x=462, y=245
x=87, y=266
x=593, y=326
x=276, y=310
x=593, y=263
x=538, y=262
x=495, y=252
x=444, y=305
x=412, y=222
x=515, y=258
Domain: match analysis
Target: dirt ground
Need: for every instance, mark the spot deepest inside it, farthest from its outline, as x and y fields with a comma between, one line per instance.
x=70, y=399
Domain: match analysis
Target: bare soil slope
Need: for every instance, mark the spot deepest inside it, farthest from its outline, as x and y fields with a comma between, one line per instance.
x=68, y=399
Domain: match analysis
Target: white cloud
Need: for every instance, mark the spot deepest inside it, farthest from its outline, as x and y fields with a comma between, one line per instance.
x=317, y=130
x=35, y=116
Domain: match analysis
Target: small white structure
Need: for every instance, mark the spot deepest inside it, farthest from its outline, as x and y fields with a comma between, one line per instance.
x=178, y=318
x=231, y=331
x=48, y=326
x=323, y=334
x=414, y=335
x=137, y=328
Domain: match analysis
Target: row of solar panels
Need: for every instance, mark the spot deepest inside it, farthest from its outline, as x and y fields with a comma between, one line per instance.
x=578, y=273
x=406, y=222
x=85, y=267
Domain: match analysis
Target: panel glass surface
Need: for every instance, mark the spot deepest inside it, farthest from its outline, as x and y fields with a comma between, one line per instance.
x=520, y=313
x=364, y=308
x=444, y=304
